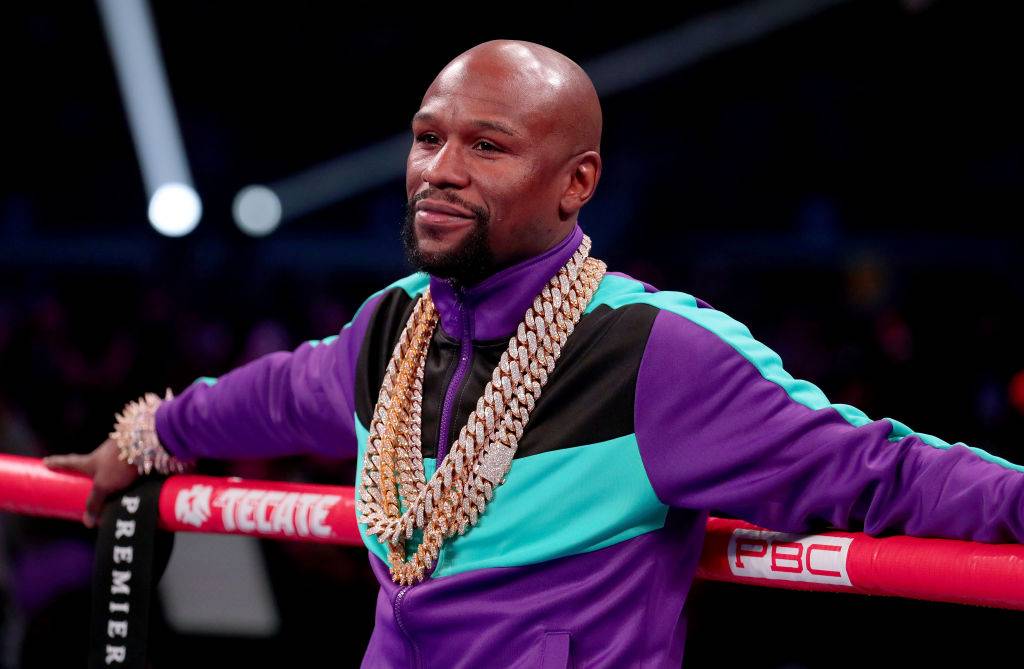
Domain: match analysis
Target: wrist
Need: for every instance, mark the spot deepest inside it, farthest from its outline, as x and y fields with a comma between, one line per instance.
x=137, y=441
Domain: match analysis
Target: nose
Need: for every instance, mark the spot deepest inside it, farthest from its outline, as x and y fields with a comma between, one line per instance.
x=446, y=168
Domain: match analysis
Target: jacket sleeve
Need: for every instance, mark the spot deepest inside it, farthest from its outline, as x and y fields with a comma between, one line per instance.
x=722, y=426
x=283, y=403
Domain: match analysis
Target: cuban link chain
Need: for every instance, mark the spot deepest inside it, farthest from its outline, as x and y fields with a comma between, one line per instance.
x=464, y=483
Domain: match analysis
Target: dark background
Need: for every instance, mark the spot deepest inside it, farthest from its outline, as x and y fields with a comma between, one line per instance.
x=848, y=186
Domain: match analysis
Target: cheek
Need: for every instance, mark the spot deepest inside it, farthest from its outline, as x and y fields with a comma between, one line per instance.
x=412, y=178
x=415, y=163
x=525, y=201
x=516, y=191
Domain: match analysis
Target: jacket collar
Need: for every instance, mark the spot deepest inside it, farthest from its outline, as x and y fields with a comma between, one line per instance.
x=493, y=308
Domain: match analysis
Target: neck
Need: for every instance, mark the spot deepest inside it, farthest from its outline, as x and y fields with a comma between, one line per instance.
x=494, y=307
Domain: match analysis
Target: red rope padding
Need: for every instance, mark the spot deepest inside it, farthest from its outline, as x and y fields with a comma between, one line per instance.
x=940, y=570
x=943, y=570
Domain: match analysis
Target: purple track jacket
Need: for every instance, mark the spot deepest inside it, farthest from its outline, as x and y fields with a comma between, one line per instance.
x=660, y=410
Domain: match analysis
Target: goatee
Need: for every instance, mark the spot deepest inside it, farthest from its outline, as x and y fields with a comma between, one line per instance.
x=465, y=265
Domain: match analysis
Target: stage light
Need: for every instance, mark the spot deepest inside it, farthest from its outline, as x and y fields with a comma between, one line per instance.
x=175, y=209
x=174, y=206
x=257, y=210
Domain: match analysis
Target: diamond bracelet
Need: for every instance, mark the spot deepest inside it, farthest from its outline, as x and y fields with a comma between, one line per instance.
x=137, y=441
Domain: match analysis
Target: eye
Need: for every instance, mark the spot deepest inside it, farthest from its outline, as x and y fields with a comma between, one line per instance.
x=483, y=143
x=426, y=137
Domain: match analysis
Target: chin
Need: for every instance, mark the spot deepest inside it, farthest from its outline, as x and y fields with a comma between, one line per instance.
x=449, y=236
x=448, y=251
x=441, y=243
x=433, y=252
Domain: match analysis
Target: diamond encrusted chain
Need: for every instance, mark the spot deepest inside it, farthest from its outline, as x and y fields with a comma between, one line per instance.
x=478, y=460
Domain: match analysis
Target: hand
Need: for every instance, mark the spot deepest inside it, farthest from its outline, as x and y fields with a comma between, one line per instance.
x=109, y=475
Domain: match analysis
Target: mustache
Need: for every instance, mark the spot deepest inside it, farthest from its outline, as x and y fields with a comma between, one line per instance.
x=445, y=196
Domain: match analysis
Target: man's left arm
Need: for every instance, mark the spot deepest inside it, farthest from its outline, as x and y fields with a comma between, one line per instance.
x=722, y=426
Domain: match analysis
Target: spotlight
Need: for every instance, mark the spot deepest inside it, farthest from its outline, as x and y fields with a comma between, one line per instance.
x=257, y=210
x=175, y=209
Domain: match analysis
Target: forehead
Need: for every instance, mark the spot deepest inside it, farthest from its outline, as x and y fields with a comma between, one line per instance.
x=461, y=93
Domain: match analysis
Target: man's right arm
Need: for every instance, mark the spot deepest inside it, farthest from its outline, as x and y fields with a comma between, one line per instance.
x=284, y=403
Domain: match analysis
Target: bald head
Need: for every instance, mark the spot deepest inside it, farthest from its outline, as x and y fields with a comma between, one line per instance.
x=557, y=92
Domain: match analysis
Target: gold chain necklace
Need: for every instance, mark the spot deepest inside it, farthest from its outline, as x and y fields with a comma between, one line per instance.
x=477, y=461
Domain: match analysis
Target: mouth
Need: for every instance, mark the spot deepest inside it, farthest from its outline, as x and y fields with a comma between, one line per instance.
x=438, y=213
x=438, y=218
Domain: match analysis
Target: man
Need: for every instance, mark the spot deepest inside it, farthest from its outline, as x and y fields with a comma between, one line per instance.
x=576, y=461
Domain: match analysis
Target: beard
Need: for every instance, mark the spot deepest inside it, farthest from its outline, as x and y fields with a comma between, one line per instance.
x=465, y=265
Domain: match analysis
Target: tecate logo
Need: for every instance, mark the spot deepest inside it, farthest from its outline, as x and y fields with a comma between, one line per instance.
x=192, y=506
x=789, y=557
x=257, y=511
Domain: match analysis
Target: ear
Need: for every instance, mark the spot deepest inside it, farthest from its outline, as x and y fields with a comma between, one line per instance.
x=586, y=172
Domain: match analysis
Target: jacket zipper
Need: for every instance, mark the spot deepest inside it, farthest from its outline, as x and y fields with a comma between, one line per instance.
x=397, y=606
x=465, y=356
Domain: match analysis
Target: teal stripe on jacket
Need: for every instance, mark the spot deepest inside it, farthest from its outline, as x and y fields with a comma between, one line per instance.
x=617, y=291
x=543, y=511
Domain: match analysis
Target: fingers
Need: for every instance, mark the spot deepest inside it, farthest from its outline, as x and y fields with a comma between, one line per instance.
x=73, y=461
x=93, y=506
x=108, y=473
x=84, y=464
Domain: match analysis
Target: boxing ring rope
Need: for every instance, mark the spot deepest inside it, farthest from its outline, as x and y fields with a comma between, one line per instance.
x=940, y=570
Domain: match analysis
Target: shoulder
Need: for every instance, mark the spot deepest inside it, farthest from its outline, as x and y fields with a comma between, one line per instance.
x=684, y=326
x=391, y=298
x=621, y=294
x=618, y=290
x=630, y=317
x=405, y=289
x=394, y=297
x=691, y=339
x=412, y=284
